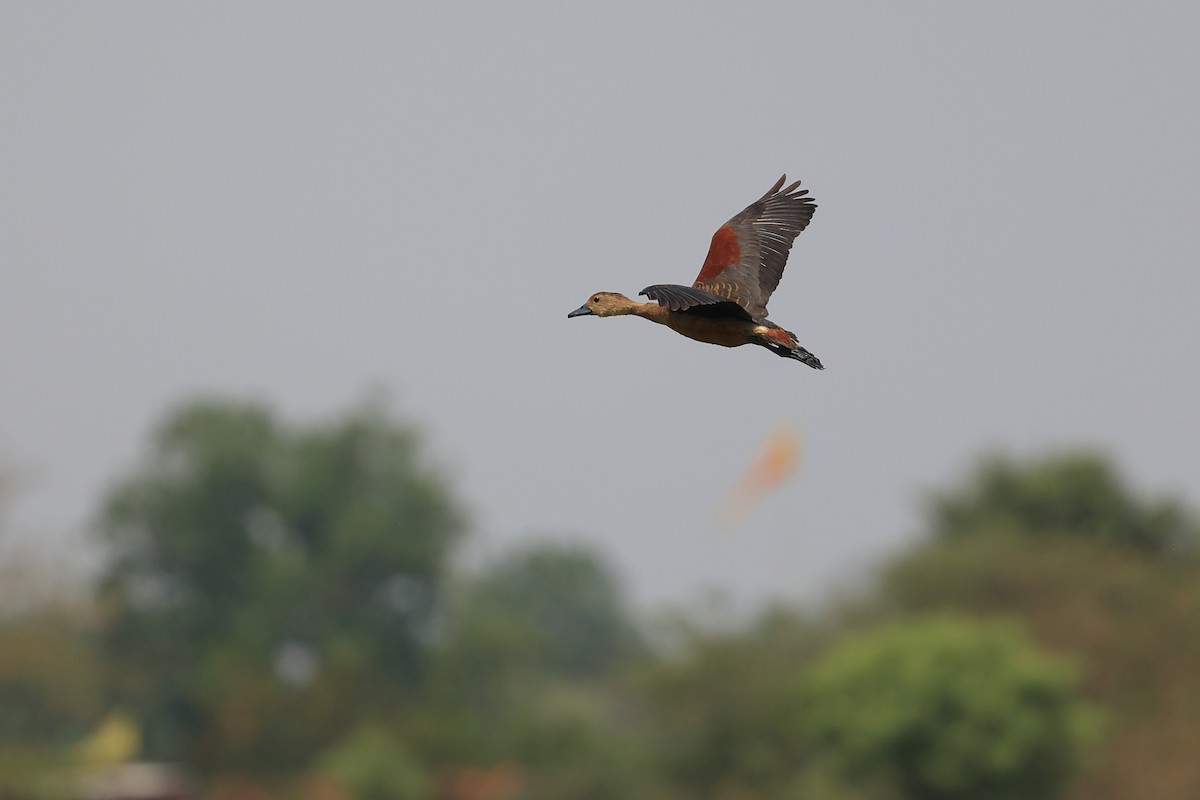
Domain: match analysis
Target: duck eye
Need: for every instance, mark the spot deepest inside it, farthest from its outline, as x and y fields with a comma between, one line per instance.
x=596, y=299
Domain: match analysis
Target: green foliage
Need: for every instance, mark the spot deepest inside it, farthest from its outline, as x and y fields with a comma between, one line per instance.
x=1078, y=495
x=727, y=709
x=372, y=764
x=51, y=689
x=1130, y=619
x=49, y=686
x=524, y=673
x=50, y=695
x=276, y=599
x=261, y=573
x=948, y=708
x=578, y=742
x=558, y=606
x=1111, y=579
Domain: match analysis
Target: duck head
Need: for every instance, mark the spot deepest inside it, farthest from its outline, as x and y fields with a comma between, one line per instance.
x=605, y=304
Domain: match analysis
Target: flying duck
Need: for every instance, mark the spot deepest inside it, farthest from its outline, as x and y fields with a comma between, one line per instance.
x=727, y=305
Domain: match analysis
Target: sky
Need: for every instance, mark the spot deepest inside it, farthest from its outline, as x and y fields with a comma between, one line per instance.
x=308, y=203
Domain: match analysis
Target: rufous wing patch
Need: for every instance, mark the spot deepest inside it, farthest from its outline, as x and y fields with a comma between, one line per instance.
x=723, y=252
x=780, y=336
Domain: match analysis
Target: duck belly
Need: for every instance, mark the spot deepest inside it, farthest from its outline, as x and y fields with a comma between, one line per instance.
x=724, y=331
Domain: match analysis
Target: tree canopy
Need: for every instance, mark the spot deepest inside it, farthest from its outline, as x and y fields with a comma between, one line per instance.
x=561, y=605
x=1076, y=494
x=1094, y=570
x=948, y=708
x=280, y=611
x=259, y=570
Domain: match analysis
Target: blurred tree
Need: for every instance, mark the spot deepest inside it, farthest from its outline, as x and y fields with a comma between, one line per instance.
x=1076, y=494
x=1108, y=582
x=269, y=587
x=559, y=604
x=50, y=696
x=1130, y=621
x=372, y=764
x=726, y=708
x=524, y=674
x=50, y=684
x=581, y=742
x=948, y=708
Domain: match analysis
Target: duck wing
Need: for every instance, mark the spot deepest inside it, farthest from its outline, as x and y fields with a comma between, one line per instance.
x=748, y=253
x=694, y=301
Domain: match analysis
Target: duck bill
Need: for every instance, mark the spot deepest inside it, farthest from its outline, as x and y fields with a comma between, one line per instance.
x=579, y=312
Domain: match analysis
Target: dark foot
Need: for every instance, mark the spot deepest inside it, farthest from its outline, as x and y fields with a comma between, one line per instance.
x=800, y=354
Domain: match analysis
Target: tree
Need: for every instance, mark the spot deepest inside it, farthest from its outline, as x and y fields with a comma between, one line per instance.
x=948, y=708
x=50, y=687
x=523, y=674
x=560, y=605
x=727, y=712
x=269, y=586
x=1129, y=620
x=375, y=765
x=1090, y=574
x=1077, y=494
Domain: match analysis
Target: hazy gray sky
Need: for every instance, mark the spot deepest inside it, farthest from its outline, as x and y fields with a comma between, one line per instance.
x=296, y=202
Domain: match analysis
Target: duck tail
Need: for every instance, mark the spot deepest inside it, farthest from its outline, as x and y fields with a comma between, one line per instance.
x=783, y=343
x=800, y=354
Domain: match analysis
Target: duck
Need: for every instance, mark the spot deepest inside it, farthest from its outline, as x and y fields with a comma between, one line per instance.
x=727, y=303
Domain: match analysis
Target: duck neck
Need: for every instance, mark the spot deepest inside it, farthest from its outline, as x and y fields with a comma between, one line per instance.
x=651, y=311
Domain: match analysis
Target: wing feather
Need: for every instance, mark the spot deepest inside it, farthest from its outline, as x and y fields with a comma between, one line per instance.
x=694, y=301
x=748, y=253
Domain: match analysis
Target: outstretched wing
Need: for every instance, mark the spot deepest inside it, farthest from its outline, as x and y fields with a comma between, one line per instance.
x=694, y=301
x=748, y=253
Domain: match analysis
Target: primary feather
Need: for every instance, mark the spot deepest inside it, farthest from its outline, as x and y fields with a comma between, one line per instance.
x=748, y=253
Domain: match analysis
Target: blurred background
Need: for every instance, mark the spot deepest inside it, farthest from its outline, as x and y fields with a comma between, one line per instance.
x=308, y=488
